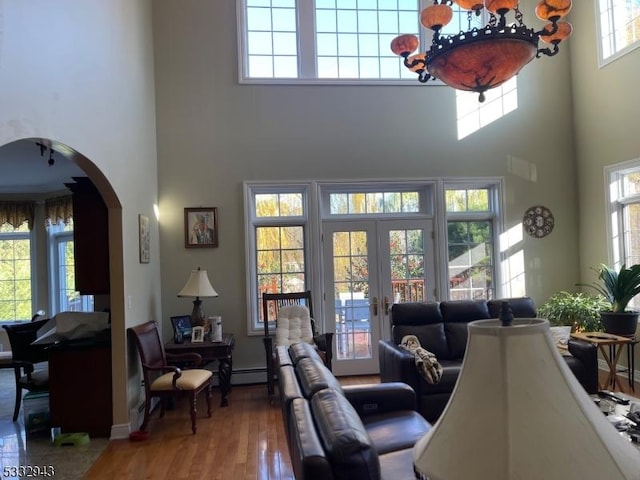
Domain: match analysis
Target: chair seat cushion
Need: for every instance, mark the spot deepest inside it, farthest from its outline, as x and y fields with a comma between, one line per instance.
x=293, y=325
x=189, y=380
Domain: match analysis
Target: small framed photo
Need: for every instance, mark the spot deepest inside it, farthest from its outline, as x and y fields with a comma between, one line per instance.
x=181, y=324
x=201, y=227
x=144, y=238
x=197, y=334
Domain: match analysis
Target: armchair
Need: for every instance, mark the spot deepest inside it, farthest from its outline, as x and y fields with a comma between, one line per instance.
x=24, y=359
x=163, y=380
x=295, y=310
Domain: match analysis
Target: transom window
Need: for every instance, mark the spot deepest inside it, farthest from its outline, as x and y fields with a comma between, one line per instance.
x=331, y=40
x=375, y=202
x=618, y=27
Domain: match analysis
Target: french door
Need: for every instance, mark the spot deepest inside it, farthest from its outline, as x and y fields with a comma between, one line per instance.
x=369, y=265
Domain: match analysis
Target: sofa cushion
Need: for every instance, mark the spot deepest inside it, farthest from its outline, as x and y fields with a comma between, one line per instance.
x=345, y=440
x=431, y=337
x=450, y=371
x=308, y=458
x=395, y=430
x=457, y=334
x=464, y=310
x=289, y=390
x=301, y=350
x=415, y=313
x=282, y=356
x=521, y=307
x=314, y=376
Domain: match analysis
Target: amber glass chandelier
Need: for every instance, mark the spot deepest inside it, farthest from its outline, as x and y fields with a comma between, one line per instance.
x=482, y=58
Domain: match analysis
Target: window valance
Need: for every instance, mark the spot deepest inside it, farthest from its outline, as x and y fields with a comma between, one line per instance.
x=57, y=210
x=16, y=213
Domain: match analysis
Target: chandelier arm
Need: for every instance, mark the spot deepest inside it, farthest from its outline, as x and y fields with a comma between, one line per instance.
x=424, y=76
x=547, y=51
x=414, y=63
x=547, y=33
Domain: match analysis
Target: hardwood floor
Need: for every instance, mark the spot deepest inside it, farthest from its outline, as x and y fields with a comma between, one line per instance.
x=245, y=440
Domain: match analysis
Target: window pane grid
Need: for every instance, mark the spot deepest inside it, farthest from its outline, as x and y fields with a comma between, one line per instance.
x=280, y=260
x=15, y=273
x=470, y=260
x=272, y=44
x=619, y=25
x=367, y=203
x=353, y=38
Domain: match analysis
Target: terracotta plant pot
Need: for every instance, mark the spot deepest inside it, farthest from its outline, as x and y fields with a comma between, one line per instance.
x=624, y=323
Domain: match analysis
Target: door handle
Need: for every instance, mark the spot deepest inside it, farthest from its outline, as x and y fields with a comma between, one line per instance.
x=386, y=305
x=375, y=306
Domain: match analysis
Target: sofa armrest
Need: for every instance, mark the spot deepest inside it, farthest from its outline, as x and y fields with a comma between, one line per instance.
x=398, y=365
x=587, y=353
x=380, y=397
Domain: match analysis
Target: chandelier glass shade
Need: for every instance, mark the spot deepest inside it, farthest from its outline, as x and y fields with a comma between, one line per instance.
x=483, y=58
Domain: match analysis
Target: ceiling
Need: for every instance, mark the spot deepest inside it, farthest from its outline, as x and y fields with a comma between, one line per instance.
x=24, y=170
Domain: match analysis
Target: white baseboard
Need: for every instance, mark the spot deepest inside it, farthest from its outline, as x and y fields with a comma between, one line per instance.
x=119, y=431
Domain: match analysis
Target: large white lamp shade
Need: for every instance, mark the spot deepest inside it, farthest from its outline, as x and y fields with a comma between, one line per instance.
x=518, y=412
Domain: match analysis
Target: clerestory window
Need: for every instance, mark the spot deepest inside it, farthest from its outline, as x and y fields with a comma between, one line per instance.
x=331, y=41
x=618, y=28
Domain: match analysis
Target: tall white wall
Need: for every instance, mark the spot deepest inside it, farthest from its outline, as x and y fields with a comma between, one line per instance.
x=80, y=72
x=214, y=133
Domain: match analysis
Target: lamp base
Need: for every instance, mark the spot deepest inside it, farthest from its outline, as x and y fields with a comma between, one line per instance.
x=197, y=315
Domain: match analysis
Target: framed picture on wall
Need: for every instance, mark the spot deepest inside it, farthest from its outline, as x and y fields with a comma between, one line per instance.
x=144, y=238
x=200, y=227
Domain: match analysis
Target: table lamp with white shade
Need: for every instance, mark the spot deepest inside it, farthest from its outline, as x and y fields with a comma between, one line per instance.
x=197, y=286
x=518, y=412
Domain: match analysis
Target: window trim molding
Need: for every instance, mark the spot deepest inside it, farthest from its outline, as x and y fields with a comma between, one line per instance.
x=314, y=192
x=250, y=188
x=603, y=62
x=614, y=198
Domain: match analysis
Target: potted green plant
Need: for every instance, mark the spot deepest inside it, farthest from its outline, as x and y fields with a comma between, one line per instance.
x=618, y=287
x=579, y=311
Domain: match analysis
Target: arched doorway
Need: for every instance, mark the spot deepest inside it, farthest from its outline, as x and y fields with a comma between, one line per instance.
x=35, y=166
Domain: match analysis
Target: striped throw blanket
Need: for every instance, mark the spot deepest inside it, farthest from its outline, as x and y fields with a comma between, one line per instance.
x=426, y=361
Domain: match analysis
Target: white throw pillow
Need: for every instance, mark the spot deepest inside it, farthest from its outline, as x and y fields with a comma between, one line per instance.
x=560, y=337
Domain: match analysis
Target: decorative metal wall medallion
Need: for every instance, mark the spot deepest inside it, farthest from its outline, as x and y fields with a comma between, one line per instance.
x=538, y=221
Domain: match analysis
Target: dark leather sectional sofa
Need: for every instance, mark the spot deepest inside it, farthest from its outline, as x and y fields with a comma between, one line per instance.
x=441, y=328
x=353, y=432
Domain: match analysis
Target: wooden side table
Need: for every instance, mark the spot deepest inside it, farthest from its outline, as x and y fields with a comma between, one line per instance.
x=210, y=351
x=611, y=355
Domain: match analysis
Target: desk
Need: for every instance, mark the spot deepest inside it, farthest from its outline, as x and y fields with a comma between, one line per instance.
x=611, y=354
x=210, y=351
